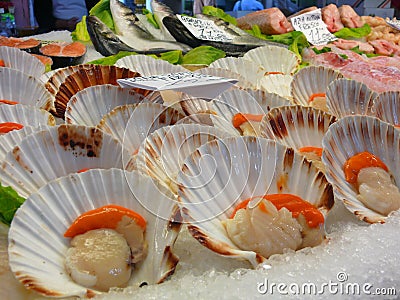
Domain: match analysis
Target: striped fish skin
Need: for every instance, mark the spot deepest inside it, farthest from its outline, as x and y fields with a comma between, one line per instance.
x=130, y=31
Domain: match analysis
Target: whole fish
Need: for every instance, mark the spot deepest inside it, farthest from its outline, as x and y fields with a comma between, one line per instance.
x=240, y=43
x=104, y=40
x=160, y=10
x=130, y=31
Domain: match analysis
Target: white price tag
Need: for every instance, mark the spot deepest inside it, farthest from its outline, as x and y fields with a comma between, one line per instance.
x=394, y=23
x=195, y=84
x=313, y=27
x=204, y=29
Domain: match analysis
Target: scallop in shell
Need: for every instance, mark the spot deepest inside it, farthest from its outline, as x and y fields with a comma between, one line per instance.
x=349, y=97
x=89, y=105
x=234, y=101
x=348, y=137
x=132, y=123
x=147, y=66
x=387, y=107
x=83, y=78
x=298, y=127
x=274, y=59
x=250, y=70
x=24, y=89
x=278, y=84
x=223, y=173
x=36, y=236
x=310, y=84
x=26, y=115
x=197, y=109
x=162, y=153
x=58, y=151
x=20, y=60
x=55, y=78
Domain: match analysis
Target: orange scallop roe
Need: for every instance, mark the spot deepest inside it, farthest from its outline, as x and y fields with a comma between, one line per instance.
x=241, y=118
x=107, y=216
x=359, y=161
x=83, y=170
x=316, y=95
x=9, y=102
x=316, y=150
x=10, y=126
x=2, y=63
x=293, y=203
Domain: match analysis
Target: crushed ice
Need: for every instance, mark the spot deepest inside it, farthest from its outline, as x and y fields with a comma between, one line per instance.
x=357, y=261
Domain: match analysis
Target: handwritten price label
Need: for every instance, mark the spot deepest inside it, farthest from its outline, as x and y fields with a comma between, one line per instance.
x=204, y=29
x=196, y=84
x=313, y=27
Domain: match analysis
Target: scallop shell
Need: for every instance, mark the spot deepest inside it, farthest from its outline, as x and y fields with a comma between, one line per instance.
x=278, y=84
x=349, y=97
x=45, y=155
x=162, y=153
x=274, y=59
x=89, y=105
x=220, y=72
x=222, y=173
x=54, y=79
x=270, y=99
x=83, y=78
x=36, y=236
x=131, y=124
x=147, y=66
x=26, y=115
x=296, y=126
x=236, y=101
x=311, y=80
x=349, y=136
x=197, y=109
x=250, y=70
x=18, y=86
x=17, y=59
x=387, y=107
x=13, y=138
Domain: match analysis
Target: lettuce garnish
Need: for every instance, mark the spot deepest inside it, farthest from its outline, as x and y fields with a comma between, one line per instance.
x=10, y=201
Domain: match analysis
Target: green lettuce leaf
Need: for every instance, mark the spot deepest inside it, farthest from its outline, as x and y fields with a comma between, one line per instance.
x=353, y=33
x=80, y=33
x=256, y=31
x=322, y=50
x=217, y=12
x=111, y=60
x=10, y=201
x=174, y=57
x=100, y=10
x=202, y=55
x=151, y=18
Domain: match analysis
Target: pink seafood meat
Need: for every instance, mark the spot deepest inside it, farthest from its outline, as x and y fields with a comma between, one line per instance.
x=331, y=17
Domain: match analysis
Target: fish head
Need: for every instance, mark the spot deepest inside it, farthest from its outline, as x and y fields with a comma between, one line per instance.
x=103, y=38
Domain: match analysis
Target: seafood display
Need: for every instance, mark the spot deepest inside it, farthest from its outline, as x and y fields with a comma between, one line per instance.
x=238, y=164
x=360, y=155
x=103, y=188
x=305, y=142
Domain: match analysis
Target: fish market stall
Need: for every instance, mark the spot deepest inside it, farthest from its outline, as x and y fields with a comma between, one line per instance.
x=271, y=169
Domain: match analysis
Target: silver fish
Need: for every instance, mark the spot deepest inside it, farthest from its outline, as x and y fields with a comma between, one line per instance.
x=104, y=40
x=239, y=36
x=160, y=10
x=240, y=44
x=132, y=33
